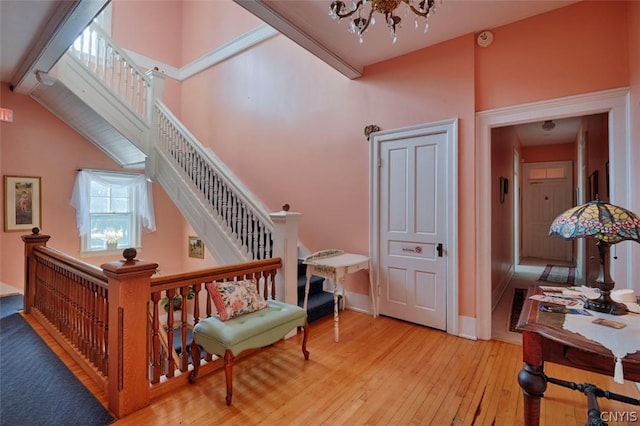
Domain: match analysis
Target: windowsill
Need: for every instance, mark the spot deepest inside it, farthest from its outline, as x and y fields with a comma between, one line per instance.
x=103, y=253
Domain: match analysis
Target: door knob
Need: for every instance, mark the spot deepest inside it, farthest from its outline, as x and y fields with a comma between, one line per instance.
x=439, y=249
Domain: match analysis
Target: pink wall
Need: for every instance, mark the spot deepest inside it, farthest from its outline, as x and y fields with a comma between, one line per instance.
x=292, y=128
x=576, y=49
x=158, y=38
x=312, y=150
x=212, y=23
x=38, y=144
x=504, y=143
x=541, y=153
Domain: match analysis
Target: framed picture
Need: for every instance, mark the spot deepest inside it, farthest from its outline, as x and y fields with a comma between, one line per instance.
x=196, y=248
x=22, y=203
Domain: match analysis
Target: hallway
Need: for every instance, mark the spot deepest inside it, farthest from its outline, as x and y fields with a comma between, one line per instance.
x=527, y=274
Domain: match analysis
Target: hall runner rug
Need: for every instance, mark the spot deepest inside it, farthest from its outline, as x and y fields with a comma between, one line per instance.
x=558, y=274
x=36, y=388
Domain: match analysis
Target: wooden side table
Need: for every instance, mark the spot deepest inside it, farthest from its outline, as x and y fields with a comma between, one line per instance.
x=544, y=339
x=336, y=265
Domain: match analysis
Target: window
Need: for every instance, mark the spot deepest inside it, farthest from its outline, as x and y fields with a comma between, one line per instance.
x=111, y=210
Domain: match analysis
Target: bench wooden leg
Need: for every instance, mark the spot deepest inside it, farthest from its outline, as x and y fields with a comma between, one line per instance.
x=305, y=333
x=195, y=359
x=228, y=373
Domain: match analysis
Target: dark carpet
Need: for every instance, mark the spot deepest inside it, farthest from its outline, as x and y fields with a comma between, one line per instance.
x=519, y=296
x=36, y=388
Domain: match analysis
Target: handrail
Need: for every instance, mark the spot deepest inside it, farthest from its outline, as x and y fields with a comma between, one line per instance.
x=164, y=361
x=239, y=214
x=247, y=219
x=72, y=296
x=99, y=54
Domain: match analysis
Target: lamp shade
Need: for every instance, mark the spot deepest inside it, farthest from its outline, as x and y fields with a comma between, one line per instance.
x=605, y=222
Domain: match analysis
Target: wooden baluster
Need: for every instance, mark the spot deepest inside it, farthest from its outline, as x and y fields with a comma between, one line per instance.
x=155, y=339
x=171, y=362
x=103, y=331
x=93, y=44
x=216, y=195
x=256, y=236
x=138, y=95
x=102, y=62
x=261, y=242
x=184, y=350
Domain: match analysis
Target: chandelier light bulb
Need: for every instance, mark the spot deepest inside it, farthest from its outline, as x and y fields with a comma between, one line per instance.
x=364, y=18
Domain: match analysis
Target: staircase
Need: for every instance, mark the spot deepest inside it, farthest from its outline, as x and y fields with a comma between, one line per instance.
x=101, y=93
x=320, y=302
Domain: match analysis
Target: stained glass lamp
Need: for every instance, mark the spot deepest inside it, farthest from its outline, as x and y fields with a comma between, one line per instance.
x=607, y=224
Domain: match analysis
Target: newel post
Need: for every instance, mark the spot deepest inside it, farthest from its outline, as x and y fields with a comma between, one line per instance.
x=129, y=287
x=285, y=246
x=30, y=242
x=156, y=92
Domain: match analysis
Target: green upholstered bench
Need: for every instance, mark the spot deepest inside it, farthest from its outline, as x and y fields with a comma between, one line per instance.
x=247, y=331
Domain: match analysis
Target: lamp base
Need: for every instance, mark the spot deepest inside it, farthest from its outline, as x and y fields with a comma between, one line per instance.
x=606, y=305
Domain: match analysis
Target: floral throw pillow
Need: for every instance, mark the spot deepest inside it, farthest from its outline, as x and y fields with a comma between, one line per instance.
x=235, y=298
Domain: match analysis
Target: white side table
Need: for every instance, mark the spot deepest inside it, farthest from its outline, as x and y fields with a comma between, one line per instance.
x=336, y=265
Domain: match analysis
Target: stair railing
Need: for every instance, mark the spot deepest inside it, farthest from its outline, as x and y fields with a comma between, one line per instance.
x=245, y=218
x=114, y=68
x=111, y=319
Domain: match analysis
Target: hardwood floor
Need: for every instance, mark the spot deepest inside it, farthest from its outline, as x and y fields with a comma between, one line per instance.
x=382, y=372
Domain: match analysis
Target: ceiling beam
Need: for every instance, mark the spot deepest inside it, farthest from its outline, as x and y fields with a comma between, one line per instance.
x=63, y=27
x=272, y=17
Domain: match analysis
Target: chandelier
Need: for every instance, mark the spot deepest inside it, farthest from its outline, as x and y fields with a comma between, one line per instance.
x=362, y=19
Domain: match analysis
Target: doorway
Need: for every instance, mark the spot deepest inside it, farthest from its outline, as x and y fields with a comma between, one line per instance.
x=414, y=223
x=546, y=192
x=615, y=104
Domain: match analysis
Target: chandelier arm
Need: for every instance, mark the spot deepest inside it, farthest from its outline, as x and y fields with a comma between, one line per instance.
x=360, y=32
x=416, y=11
x=359, y=4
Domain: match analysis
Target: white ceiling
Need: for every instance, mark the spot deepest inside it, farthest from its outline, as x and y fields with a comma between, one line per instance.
x=452, y=18
x=304, y=21
x=20, y=22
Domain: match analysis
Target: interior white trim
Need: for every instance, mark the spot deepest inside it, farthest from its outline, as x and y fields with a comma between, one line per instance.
x=268, y=14
x=228, y=50
x=615, y=102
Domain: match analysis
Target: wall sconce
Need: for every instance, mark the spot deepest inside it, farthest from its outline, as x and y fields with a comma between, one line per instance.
x=504, y=188
x=371, y=128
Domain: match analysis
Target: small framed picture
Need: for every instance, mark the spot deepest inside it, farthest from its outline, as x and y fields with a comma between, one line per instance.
x=22, y=203
x=196, y=248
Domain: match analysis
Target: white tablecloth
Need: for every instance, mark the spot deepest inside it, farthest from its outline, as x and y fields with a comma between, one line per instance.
x=620, y=342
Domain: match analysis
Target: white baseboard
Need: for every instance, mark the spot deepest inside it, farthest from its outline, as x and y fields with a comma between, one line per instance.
x=467, y=327
x=359, y=303
x=497, y=294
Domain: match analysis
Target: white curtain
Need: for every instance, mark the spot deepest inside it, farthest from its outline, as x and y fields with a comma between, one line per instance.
x=141, y=190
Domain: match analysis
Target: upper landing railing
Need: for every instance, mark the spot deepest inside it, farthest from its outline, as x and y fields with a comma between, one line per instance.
x=114, y=320
x=114, y=68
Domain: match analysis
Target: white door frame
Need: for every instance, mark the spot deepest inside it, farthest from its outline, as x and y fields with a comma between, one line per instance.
x=616, y=103
x=450, y=127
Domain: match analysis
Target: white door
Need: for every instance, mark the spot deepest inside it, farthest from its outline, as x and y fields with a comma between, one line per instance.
x=413, y=220
x=547, y=193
